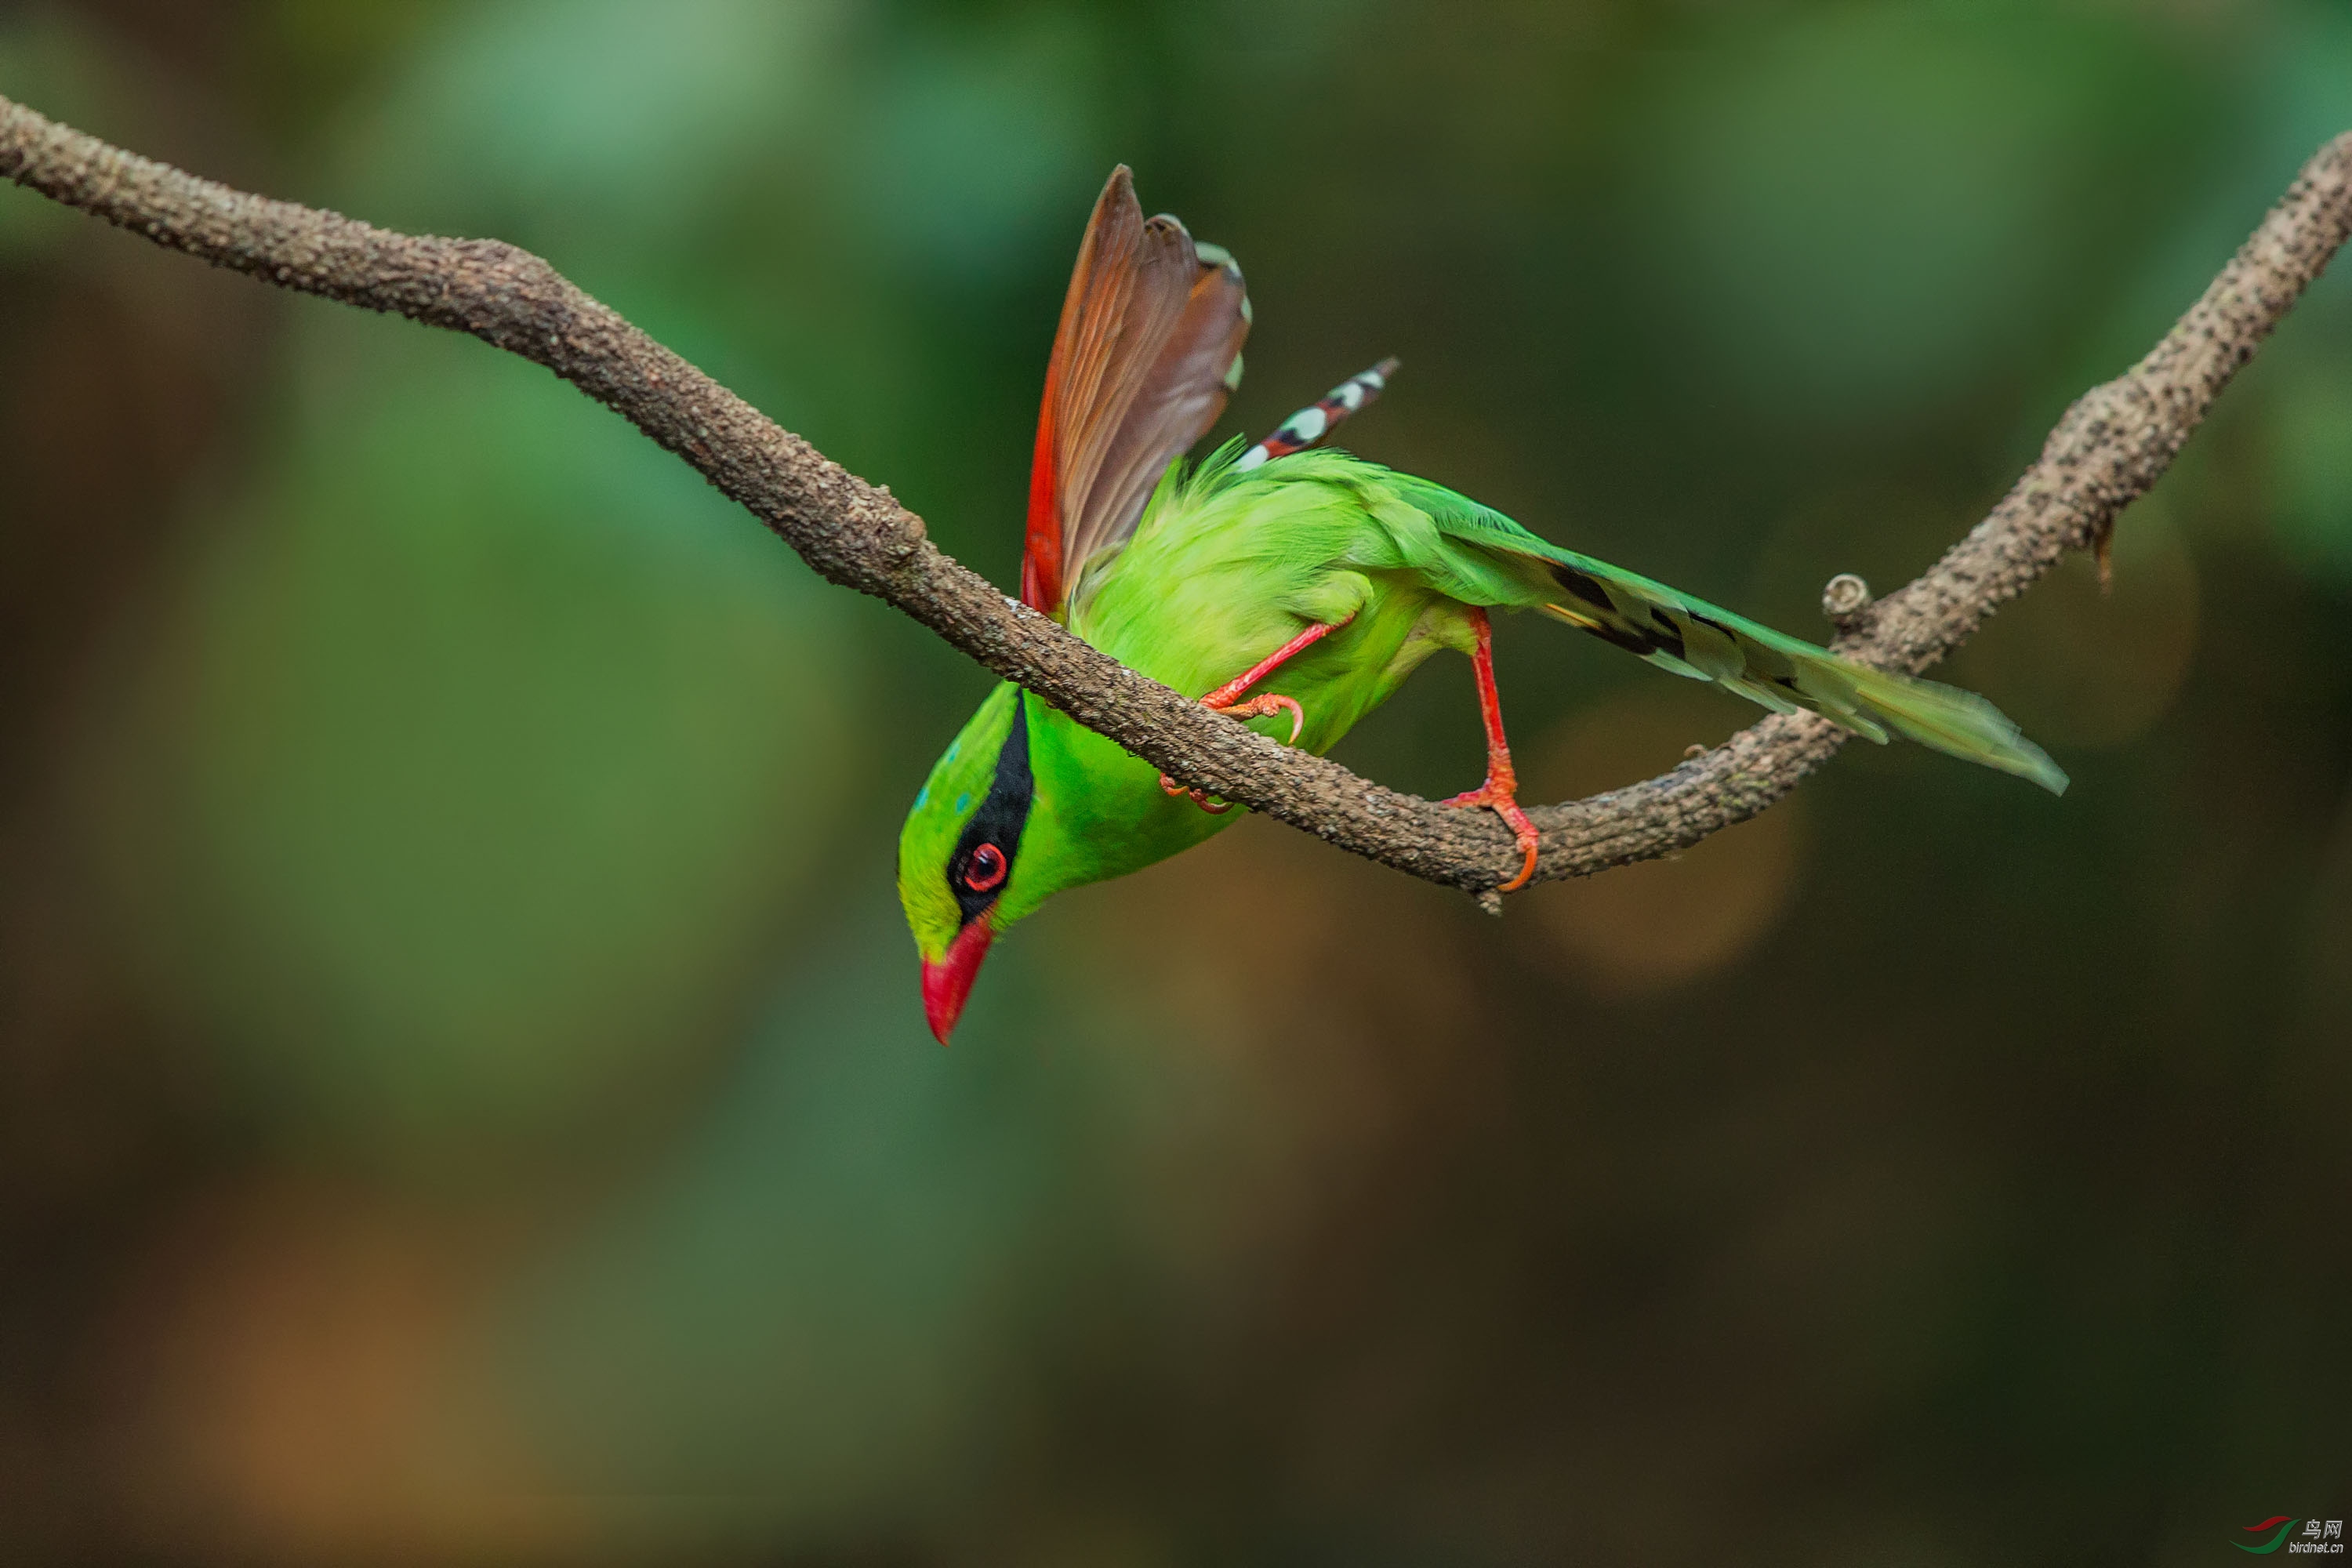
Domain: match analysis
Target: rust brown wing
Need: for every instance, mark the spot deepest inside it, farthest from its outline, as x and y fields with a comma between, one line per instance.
x=1147, y=352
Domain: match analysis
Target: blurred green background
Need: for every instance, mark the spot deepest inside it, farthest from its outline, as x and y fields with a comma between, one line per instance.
x=463, y=1092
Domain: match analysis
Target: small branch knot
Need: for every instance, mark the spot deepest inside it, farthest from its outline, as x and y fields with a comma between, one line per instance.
x=1844, y=598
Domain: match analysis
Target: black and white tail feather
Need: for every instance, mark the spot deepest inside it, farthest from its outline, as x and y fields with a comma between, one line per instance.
x=1319, y=418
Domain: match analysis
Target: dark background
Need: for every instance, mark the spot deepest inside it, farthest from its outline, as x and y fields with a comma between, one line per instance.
x=463, y=1092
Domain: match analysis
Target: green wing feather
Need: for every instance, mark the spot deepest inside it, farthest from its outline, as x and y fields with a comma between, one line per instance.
x=1483, y=557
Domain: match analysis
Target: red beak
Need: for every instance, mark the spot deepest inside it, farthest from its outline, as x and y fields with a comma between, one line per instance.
x=946, y=982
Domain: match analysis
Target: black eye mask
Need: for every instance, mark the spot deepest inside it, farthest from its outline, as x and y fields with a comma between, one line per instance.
x=997, y=823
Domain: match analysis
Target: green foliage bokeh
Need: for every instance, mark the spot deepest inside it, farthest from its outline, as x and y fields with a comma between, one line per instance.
x=488, y=1092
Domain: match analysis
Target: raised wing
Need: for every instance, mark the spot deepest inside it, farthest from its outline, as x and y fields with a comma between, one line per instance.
x=1148, y=351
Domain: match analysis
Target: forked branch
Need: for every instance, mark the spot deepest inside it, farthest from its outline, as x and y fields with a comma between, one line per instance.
x=2108, y=450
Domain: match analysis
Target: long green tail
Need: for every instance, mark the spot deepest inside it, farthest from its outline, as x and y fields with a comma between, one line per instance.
x=1692, y=637
x=1504, y=563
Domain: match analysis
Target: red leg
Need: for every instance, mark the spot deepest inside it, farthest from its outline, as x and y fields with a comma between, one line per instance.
x=1224, y=694
x=1224, y=700
x=1502, y=786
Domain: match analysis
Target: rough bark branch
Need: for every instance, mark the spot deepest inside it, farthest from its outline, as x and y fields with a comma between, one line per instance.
x=2114, y=443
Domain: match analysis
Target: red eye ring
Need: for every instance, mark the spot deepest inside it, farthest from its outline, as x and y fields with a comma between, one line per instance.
x=985, y=870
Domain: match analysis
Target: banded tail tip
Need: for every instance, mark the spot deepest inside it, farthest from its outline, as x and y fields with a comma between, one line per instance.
x=1311, y=424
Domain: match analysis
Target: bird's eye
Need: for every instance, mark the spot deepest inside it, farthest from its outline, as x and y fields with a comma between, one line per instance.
x=985, y=870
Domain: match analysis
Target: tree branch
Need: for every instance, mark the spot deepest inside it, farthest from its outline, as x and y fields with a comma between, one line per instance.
x=2108, y=450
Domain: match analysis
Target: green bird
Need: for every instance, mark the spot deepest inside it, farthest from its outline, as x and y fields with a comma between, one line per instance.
x=1293, y=589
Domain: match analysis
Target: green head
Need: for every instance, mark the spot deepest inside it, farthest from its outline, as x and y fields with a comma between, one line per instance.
x=959, y=871
x=1025, y=804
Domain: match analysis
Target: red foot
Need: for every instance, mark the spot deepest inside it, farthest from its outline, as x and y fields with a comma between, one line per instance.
x=1201, y=797
x=1224, y=700
x=1508, y=807
x=1271, y=702
x=1501, y=789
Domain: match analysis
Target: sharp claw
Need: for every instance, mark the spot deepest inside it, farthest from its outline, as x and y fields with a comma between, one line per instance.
x=1200, y=797
x=1505, y=805
x=1530, y=847
x=1270, y=702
